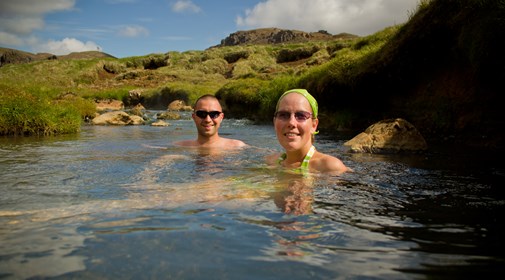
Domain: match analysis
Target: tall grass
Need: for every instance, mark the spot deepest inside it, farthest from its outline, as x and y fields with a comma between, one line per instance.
x=25, y=114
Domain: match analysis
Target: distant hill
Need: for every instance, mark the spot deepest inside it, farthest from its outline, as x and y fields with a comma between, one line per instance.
x=277, y=36
x=261, y=36
x=8, y=56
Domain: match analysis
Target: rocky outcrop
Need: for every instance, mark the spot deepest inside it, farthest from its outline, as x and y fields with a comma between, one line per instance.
x=8, y=56
x=388, y=136
x=117, y=118
x=277, y=36
x=135, y=97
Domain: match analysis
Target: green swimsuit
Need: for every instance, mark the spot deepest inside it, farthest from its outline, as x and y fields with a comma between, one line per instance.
x=304, y=167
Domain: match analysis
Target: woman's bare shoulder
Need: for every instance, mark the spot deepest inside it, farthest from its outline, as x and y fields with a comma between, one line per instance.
x=272, y=159
x=327, y=163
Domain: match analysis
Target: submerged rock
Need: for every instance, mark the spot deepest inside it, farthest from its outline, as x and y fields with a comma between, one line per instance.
x=117, y=118
x=168, y=116
x=160, y=123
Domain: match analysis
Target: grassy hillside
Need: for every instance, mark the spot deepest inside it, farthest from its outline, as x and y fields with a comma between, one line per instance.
x=162, y=77
x=441, y=71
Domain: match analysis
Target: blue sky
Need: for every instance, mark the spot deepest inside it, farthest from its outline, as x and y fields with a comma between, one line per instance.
x=125, y=28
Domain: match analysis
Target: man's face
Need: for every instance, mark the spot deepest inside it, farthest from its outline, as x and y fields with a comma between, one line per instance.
x=207, y=126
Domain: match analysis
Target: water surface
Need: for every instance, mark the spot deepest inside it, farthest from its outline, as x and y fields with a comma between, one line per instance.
x=122, y=202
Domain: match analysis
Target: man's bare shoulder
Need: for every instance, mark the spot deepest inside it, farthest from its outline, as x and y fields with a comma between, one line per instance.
x=234, y=143
x=222, y=143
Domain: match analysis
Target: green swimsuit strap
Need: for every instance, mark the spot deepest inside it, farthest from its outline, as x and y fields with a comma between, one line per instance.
x=305, y=163
x=306, y=159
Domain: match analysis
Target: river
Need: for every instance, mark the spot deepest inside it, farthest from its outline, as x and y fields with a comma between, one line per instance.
x=122, y=202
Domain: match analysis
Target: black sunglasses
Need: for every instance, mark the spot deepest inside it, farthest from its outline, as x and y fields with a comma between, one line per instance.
x=300, y=116
x=204, y=114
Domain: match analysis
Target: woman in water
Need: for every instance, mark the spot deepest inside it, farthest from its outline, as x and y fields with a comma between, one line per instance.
x=295, y=123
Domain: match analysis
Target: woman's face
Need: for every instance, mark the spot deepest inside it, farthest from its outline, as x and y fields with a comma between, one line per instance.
x=294, y=132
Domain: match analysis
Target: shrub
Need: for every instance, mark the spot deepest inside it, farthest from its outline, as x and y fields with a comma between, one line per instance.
x=150, y=62
x=235, y=56
x=287, y=55
x=113, y=67
x=155, y=62
x=216, y=65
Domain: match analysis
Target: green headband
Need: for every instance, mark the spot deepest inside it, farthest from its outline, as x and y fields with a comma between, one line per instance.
x=304, y=93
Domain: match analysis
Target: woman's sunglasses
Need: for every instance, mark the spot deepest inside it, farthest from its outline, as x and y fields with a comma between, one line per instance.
x=300, y=116
x=204, y=114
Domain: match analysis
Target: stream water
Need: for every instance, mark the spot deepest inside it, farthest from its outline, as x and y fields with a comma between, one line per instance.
x=122, y=202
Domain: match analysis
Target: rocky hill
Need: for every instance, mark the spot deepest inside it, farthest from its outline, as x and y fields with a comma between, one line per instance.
x=277, y=36
x=16, y=56
x=259, y=36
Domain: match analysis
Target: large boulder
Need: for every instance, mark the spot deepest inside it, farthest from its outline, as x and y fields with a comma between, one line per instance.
x=135, y=97
x=117, y=118
x=388, y=136
x=138, y=110
x=178, y=105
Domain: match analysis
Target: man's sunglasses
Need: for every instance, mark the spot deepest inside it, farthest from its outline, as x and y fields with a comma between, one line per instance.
x=204, y=114
x=300, y=116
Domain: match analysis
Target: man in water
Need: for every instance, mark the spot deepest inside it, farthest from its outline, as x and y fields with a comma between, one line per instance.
x=208, y=115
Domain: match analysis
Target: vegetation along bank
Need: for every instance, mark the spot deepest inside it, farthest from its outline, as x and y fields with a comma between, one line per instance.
x=442, y=71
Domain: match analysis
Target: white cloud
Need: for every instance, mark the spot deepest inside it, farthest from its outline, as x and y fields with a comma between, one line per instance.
x=34, y=7
x=66, y=46
x=21, y=26
x=360, y=17
x=133, y=31
x=20, y=18
x=24, y=16
x=8, y=39
x=185, y=6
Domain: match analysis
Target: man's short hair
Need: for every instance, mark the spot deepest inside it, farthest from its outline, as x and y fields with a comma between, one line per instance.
x=205, y=96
